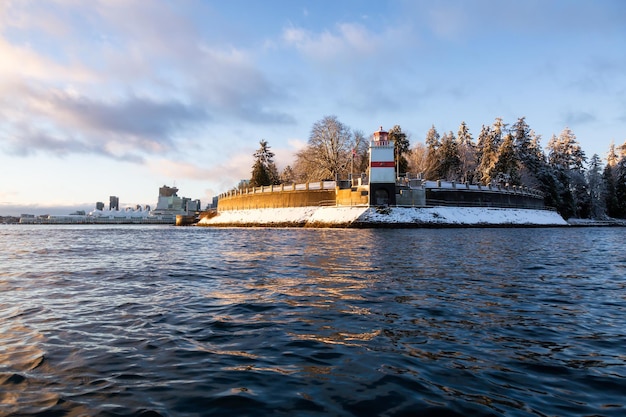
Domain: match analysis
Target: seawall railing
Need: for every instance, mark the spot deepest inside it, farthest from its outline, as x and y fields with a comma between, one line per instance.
x=314, y=185
x=498, y=188
x=411, y=183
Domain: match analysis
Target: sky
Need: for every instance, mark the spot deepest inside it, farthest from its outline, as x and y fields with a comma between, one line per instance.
x=107, y=98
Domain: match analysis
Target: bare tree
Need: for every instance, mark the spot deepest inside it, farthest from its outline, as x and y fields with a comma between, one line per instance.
x=417, y=159
x=328, y=153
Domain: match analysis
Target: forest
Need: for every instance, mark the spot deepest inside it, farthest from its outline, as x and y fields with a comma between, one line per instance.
x=574, y=185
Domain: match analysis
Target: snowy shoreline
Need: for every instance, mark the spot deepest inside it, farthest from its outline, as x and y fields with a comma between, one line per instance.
x=596, y=223
x=363, y=217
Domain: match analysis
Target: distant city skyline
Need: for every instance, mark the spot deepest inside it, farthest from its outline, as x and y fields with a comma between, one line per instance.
x=106, y=98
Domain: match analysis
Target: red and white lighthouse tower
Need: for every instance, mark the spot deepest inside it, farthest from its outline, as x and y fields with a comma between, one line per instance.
x=382, y=170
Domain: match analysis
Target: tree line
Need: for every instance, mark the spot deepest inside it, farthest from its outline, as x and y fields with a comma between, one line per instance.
x=572, y=184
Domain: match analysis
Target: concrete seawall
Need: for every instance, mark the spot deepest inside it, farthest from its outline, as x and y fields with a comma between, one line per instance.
x=276, y=199
x=345, y=193
x=423, y=204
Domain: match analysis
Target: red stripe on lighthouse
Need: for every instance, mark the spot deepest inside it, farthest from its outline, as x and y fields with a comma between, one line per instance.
x=379, y=164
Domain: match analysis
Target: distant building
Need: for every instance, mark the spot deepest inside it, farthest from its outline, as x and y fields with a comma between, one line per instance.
x=169, y=200
x=170, y=204
x=114, y=203
x=193, y=205
x=213, y=203
x=27, y=218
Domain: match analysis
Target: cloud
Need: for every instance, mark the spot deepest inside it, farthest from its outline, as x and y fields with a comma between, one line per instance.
x=230, y=82
x=361, y=67
x=131, y=117
x=65, y=122
x=460, y=21
x=348, y=42
x=179, y=170
x=226, y=173
x=448, y=22
x=121, y=79
x=574, y=118
x=162, y=48
x=24, y=62
x=26, y=140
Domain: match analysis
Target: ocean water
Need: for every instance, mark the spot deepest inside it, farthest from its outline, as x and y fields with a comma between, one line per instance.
x=166, y=321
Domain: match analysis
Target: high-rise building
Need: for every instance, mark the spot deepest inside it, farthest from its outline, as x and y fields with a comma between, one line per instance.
x=114, y=203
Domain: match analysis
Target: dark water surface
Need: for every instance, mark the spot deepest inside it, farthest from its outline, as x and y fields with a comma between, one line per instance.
x=148, y=321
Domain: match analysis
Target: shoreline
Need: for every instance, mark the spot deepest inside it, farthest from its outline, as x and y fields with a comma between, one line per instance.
x=368, y=217
x=386, y=217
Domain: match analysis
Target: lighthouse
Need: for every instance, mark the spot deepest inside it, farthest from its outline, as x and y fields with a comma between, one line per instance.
x=382, y=170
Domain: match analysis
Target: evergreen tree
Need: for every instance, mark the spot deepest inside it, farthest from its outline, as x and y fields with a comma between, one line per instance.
x=506, y=166
x=467, y=153
x=401, y=148
x=260, y=176
x=536, y=150
x=527, y=152
x=614, y=193
x=264, y=171
x=482, y=141
x=432, y=138
x=487, y=154
x=597, y=206
x=522, y=137
x=449, y=161
x=550, y=186
x=612, y=158
x=581, y=193
x=565, y=152
x=496, y=135
x=498, y=129
x=622, y=151
x=533, y=161
x=620, y=188
x=567, y=159
x=463, y=135
x=609, y=179
x=432, y=155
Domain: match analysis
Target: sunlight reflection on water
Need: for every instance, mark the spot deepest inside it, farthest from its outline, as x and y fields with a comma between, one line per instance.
x=186, y=321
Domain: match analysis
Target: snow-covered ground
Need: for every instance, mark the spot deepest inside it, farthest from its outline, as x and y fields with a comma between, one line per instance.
x=374, y=217
x=464, y=216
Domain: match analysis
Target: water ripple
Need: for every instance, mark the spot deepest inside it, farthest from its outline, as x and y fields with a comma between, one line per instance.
x=162, y=321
